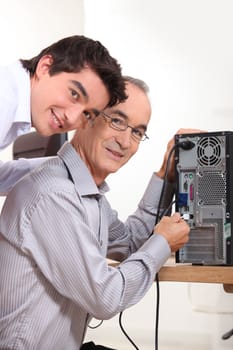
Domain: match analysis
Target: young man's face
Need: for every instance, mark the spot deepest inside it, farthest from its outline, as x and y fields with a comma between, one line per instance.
x=105, y=149
x=58, y=102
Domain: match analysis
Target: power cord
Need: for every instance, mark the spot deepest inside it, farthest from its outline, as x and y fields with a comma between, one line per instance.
x=186, y=145
x=98, y=325
x=158, y=218
x=227, y=335
x=123, y=330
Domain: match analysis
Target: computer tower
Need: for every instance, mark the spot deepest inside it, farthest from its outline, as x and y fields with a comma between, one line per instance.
x=204, y=196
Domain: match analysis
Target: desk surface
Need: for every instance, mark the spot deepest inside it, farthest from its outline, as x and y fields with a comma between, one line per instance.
x=195, y=273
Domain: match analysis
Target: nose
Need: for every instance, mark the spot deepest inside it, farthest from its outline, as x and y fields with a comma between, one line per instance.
x=124, y=138
x=73, y=115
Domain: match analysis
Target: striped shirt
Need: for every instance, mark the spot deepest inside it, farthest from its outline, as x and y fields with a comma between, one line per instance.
x=57, y=228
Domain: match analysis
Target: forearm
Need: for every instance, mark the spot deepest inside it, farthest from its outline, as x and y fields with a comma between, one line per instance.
x=157, y=198
x=128, y=237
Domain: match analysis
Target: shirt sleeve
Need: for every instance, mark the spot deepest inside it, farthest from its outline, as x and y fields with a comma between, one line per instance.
x=55, y=233
x=51, y=227
x=12, y=171
x=7, y=111
x=69, y=255
x=126, y=238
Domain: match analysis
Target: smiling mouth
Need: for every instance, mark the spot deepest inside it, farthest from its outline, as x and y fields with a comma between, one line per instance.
x=56, y=120
x=115, y=153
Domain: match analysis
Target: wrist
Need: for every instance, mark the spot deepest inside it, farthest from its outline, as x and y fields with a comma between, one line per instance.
x=160, y=173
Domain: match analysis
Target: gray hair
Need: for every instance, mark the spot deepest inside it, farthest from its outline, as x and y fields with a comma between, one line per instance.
x=137, y=82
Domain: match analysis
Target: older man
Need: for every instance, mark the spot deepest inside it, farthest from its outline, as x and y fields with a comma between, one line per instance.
x=57, y=228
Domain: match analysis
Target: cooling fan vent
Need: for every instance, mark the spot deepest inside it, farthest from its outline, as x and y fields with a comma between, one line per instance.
x=209, y=151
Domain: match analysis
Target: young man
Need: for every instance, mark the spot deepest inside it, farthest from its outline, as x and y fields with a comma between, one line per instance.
x=57, y=228
x=49, y=92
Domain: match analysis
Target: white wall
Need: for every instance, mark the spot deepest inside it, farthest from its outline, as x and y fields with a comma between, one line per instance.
x=28, y=26
x=183, y=50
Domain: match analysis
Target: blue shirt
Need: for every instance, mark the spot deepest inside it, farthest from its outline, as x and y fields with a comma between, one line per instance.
x=57, y=228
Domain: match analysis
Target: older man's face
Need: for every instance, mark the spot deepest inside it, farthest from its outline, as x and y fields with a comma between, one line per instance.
x=105, y=149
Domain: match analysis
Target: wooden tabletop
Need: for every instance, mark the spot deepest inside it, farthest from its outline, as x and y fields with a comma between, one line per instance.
x=197, y=273
x=180, y=272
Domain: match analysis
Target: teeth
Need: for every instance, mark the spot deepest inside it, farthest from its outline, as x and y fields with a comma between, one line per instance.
x=56, y=121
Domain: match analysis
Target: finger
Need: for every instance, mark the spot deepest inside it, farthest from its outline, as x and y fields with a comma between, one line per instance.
x=176, y=217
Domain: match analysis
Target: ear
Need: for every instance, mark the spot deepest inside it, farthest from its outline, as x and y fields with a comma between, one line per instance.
x=43, y=65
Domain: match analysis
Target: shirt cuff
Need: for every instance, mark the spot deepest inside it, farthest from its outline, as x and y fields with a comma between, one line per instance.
x=158, y=248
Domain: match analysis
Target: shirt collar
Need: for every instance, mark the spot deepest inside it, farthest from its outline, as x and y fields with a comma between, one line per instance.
x=79, y=172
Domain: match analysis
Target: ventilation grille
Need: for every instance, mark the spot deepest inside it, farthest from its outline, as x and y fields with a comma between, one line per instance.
x=212, y=188
x=205, y=244
x=209, y=151
x=200, y=247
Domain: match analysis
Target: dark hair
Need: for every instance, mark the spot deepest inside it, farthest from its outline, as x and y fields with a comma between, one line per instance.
x=73, y=53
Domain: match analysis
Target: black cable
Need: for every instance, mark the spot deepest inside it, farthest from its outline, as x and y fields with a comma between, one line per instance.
x=127, y=336
x=94, y=327
x=166, y=210
x=227, y=335
x=157, y=311
x=158, y=217
x=185, y=145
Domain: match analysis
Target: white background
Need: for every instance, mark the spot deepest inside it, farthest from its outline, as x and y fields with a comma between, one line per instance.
x=183, y=50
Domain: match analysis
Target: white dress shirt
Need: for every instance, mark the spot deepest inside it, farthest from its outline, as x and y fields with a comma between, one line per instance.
x=15, y=117
x=15, y=109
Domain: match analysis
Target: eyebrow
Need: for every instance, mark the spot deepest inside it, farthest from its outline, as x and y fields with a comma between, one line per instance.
x=122, y=114
x=81, y=88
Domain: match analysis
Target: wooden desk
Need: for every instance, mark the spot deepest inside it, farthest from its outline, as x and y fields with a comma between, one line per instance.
x=194, y=273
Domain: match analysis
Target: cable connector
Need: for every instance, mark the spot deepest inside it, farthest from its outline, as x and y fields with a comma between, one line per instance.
x=227, y=335
x=186, y=145
x=185, y=216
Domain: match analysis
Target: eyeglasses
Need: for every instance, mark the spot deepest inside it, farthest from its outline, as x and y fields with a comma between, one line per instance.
x=120, y=123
